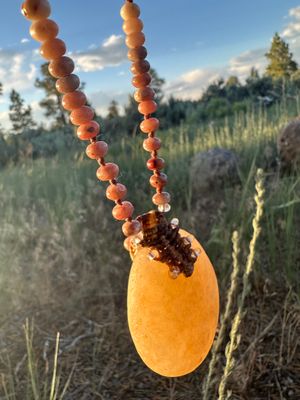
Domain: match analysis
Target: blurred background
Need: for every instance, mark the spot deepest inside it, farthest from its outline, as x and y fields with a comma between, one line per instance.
x=227, y=82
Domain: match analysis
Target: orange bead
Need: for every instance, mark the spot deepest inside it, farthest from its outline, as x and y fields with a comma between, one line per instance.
x=161, y=198
x=88, y=130
x=36, y=9
x=155, y=163
x=130, y=10
x=144, y=93
x=97, y=150
x=141, y=80
x=67, y=84
x=61, y=67
x=123, y=211
x=158, y=181
x=138, y=53
x=44, y=29
x=73, y=100
x=128, y=243
x=140, y=67
x=116, y=191
x=107, y=172
x=132, y=25
x=147, y=107
x=130, y=228
x=53, y=48
x=82, y=115
x=149, y=125
x=152, y=144
x=134, y=40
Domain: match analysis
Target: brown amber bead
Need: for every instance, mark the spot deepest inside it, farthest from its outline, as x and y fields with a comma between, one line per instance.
x=82, y=115
x=61, y=67
x=139, y=53
x=116, y=191
x=144, y=93
x=149, y=125
x=43, y=30
x=161, y=198
x=73, y=100
x=132, y=25
x=152, y=144
x=141, y=80
x=107, y=172
x=97, y=150
x=123, y=211
x=67, y=84
x=36, y=9
x=139, y=67
x=147, y=107
x=134, y=40
x=158, y=181
x=130, y=228
x=130, y=10
x=53, y=48
x=155, y=163
x=88, y=130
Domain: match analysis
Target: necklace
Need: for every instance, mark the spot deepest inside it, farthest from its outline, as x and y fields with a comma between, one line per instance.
x=173, y=302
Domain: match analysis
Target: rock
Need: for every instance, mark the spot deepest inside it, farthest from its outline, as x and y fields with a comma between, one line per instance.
x=288, y=146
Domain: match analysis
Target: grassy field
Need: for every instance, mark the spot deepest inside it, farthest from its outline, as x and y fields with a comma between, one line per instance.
x=63, y=269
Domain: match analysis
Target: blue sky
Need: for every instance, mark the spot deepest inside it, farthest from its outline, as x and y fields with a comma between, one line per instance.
x=190, y=44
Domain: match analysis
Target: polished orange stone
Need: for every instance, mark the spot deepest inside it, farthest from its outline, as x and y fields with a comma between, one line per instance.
x=116, y=191
x=152, y=144
x=67, y=84
x=130, y=10
x=73, y=100
x=123, y=211
x=130, y=228
x=36, y=9
x=144, y=93
x=155, y=163
x=161, y=198
x=140, y=67
x=158, y=181
x=97, y=150
x=61, y=67
x=138, y=53
x=107, y=172
x=88, y=130
x=147, y=107
x=53, y=48
x=134, y=40
x=132, y=25
x=82, y=115
x=44, y=29
x=149, y=125
x=141, y=80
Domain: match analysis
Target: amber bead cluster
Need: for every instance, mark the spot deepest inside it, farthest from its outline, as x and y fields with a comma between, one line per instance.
x=74, y=100
x=144, y=96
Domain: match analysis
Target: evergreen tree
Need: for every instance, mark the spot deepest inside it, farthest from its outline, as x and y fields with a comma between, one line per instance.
x=281, y=63
x=113, y=110
x=157, y=84
x=19, y=114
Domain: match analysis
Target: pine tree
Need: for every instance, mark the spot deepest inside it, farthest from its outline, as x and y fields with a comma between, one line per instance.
x=157, y=84
x=281, y=63
x=19, y=114
x=113, y=110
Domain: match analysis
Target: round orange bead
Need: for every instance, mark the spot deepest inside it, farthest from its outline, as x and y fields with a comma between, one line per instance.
x=61, y=67
x=130, y=10
x=107, y=172
x=155, y=164
x=36, y=9
x=141, y=80
x=149, y=125
x=147, y=107
x=123, y=211
x=88, y=130
x=67, y=84
x=144, y=93
x=138, y=53
x=128, y=243
x=73, y=100
x=134, y=40
x=116, y=191
x=140, y=67
x=53, y=48
x=152, y=144
x=158, y=181
x=82, y=115
x=44, y=29
x=132, y=25
x=97, y=150
x=161, y=198
x=130, y=228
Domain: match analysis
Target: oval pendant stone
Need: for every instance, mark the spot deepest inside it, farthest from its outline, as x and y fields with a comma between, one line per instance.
x=172, y=321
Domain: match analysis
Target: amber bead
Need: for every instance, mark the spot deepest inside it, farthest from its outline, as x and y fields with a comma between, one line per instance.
x=67, y=84
x=140, y=67
x=82, y=115
x=53, y=48
x=123, y=211
x=88, y=130
x=36, y=9
x=130, y=10
x=134, y=40
x=144, y=93
x=61, y=67
x=158, y=181
x=139, y=53
x=73, y=100
x=141, y=80
x=107, y=172
x=130, y=228
x=128, y=243
x=155, y=163
x=132, y=25
x=161, y=198
x=152, y=144
x=147, y=107
x=116, y=191
x=97, y=150
x=43, y=30
x=149, y=125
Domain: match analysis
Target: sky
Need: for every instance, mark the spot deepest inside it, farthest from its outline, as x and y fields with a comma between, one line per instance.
x=190, y=43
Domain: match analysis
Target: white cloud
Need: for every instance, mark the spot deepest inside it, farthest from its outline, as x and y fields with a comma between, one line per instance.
x=24, y=40
x=242, y=64
x=100, y=100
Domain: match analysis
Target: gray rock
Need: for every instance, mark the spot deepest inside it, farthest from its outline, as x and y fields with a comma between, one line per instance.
x=288, y=145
